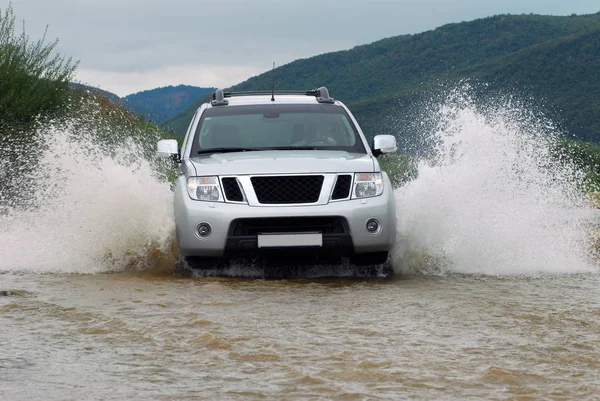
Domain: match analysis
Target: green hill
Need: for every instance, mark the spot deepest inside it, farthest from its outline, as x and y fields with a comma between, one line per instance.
x=161, y=103
x=556, y=59
x=95, y=91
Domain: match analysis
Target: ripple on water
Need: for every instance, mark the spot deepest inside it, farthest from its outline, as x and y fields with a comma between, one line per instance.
x=255, y=356
x=211, y=341
x=14, y=293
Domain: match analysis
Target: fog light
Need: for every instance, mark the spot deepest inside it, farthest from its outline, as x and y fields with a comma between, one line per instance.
x=373, y=226
x=204, y=230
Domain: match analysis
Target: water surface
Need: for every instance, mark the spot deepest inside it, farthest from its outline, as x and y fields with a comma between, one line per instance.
x=157, y=337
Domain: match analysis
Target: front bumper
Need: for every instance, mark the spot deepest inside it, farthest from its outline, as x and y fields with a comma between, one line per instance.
x=224, y=241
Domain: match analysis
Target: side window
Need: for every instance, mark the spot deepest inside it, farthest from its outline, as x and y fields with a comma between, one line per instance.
x=203, y=134
x=190, y=132
x=348, y=132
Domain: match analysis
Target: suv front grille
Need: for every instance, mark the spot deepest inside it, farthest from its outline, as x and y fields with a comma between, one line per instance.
x=288, y=189
x=232, y=190
x=342, y=187
x=266, y=225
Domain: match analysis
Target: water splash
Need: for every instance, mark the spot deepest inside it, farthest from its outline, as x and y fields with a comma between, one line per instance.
x=92, y=208
x=496, y=199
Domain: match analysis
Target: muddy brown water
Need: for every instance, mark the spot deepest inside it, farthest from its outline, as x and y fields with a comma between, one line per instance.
x=143, y=336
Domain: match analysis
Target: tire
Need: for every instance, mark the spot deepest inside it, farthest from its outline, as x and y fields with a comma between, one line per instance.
x=369, y=259
x=182, y=269
x=200, y=263
x=193, y=266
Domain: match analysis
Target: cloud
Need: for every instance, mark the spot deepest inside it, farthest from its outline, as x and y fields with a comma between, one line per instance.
x=124, y=83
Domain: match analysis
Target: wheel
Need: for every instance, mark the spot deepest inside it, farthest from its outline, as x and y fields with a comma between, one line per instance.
x=368, y=259
x=193, y=265
x=182, y=269
x=200, y=263
x=374, y=264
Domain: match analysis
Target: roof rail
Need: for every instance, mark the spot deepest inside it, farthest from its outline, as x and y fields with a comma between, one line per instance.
x=219, y=98
x=322, y=95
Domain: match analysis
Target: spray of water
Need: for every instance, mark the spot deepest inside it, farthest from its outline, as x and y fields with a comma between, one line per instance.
x=496, y=199
x=90, y=208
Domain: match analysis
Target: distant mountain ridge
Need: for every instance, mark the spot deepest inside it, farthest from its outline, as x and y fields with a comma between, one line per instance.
x=97, y=91
x=154, y=105
x=159, y=104
x=555, y=58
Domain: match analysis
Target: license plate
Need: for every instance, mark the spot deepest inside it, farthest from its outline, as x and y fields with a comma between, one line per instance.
x=289, y=240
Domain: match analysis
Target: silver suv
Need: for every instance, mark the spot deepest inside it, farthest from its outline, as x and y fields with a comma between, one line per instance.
x=288, y=175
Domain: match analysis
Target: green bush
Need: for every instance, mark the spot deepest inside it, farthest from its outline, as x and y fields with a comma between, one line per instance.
x=33, y=81
x=586, y=156
x=400, y=168
x=595, y=199
x=36, y=101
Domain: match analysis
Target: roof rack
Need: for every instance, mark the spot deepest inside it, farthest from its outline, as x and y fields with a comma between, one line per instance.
x=322, y=95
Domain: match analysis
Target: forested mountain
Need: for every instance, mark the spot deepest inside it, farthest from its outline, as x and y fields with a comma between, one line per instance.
x=95, y=91
x=556, y=59
x=161, y=103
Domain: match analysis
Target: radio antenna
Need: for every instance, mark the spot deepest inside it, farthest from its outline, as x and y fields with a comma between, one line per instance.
x=273, y=86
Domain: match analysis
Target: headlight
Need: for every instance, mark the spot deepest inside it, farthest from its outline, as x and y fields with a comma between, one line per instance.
x=204, y=189
x=367, y=185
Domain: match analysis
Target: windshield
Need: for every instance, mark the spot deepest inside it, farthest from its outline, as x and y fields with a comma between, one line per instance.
x=276, y=127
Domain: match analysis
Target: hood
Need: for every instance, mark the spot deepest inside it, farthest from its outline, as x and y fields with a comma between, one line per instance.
x=283, y=162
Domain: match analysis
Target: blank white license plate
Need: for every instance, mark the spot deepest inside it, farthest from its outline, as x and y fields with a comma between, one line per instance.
x=283, y=240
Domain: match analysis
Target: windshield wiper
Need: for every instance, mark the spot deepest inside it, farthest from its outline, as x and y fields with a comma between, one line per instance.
x=228, y=150
x=294, y=148
x=225, y=150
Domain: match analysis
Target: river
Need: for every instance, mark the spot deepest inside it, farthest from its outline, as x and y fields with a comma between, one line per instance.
x=153, y=336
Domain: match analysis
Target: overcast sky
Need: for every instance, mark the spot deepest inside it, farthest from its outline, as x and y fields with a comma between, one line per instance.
x=125, y=46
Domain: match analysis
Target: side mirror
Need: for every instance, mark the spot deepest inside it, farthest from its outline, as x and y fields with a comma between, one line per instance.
x=168, y=148
x=384, y=144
